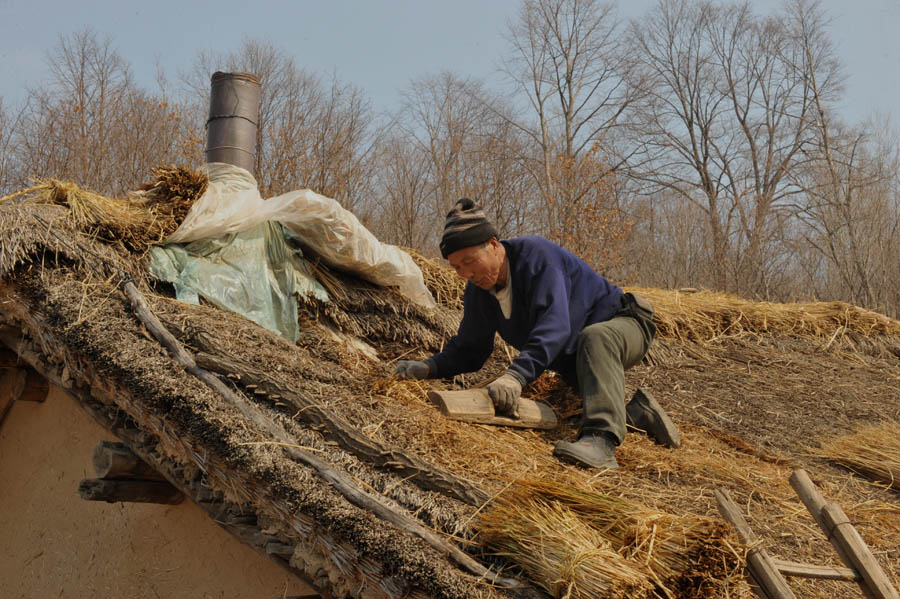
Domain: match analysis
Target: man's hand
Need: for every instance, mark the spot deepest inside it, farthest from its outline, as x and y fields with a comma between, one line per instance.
x=412, y=369
x=505, y=393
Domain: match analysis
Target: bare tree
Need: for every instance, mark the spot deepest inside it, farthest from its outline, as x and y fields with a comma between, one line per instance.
x=404, y=186
x=768, y=64
x=472, y=149
x=851, y=214
x=8, y=170
x=498, y=176
x=443, y=113
x=681, y=118
x=671, y=245
x=91, y=124
x=567, y=60
x=730, y=110
x=66, y=125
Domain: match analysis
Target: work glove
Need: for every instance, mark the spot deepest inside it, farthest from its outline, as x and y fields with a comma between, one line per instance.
x=505, y=393
x=412, y=369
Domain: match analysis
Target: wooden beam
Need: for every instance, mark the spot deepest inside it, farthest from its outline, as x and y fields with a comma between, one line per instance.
x=36, y=387
x=8, y=358
x=766, y=575
x=12, y=382
x=842, y=532
x=427, y=476
x=115, y=461
x=20, y=383
x=133, y=491
x=281, y=549
x=799, y=570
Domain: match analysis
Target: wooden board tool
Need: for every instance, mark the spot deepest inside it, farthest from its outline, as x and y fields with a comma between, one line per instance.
x=475, y=405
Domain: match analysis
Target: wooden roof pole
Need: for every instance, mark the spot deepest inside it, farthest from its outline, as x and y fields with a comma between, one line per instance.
x=770, y=583
x=840, y=532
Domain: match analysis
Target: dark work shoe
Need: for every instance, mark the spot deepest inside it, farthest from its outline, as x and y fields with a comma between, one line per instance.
x=645, y=414
x=595, y=450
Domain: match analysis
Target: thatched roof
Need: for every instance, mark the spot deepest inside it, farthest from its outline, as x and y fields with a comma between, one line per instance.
x=753, y=401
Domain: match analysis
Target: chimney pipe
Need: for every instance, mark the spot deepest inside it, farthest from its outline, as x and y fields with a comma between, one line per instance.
x=233, y=119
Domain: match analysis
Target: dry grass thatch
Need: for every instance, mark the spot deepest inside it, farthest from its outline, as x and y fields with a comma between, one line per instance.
x=872, y=452
x=706, y=316
x=379, y=315
x=147, y=218
x=575, y=548
x=443, y=283
x=172, y=192
x=681, y=556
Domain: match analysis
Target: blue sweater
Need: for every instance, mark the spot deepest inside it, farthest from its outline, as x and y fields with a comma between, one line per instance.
x=555, y=294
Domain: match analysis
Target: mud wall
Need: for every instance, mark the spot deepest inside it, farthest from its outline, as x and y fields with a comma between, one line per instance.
x=54, y=544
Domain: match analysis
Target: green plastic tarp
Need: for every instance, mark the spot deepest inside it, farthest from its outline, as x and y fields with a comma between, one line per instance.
x=257, y=273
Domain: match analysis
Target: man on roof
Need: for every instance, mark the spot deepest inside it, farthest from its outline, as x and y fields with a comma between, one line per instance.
x=561, y=315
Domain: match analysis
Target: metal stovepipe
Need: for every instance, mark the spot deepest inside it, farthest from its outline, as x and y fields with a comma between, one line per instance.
x=233, y=119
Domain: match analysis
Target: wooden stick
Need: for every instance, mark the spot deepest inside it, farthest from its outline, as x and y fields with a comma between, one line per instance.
x=841, y=531
x=771, y=585
x=134, y=491
x=799, y=570
x=808, y=494
x=355, y=496
x=113, y=460
x=814, y=502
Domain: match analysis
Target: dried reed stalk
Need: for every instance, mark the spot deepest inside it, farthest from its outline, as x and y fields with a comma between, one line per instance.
x=378, y=314
x=873, y=452
x=443, y=283
x=172, y=193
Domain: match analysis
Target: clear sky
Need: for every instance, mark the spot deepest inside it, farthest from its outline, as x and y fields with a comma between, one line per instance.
x=378, y=45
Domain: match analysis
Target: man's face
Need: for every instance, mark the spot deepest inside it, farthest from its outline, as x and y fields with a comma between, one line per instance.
x=479, y=264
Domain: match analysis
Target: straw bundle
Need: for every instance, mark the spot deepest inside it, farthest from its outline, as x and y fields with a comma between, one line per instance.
x=559, y=550
x=873, y=452
x=147, y=218
x=173, y=192
x=683, y=557
x=105, y=217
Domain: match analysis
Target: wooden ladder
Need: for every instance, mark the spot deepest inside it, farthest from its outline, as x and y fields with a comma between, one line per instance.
x=768, y=573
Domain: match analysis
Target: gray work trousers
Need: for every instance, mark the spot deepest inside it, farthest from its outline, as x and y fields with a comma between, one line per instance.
x=605, y=351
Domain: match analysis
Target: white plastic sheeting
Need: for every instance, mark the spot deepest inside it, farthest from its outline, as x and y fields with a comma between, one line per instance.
x=232, y=203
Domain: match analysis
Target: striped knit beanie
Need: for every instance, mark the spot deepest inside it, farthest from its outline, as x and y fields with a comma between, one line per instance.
x=466, y=225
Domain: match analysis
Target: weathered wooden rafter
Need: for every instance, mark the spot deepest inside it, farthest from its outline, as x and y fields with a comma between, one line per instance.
x=348, y=437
